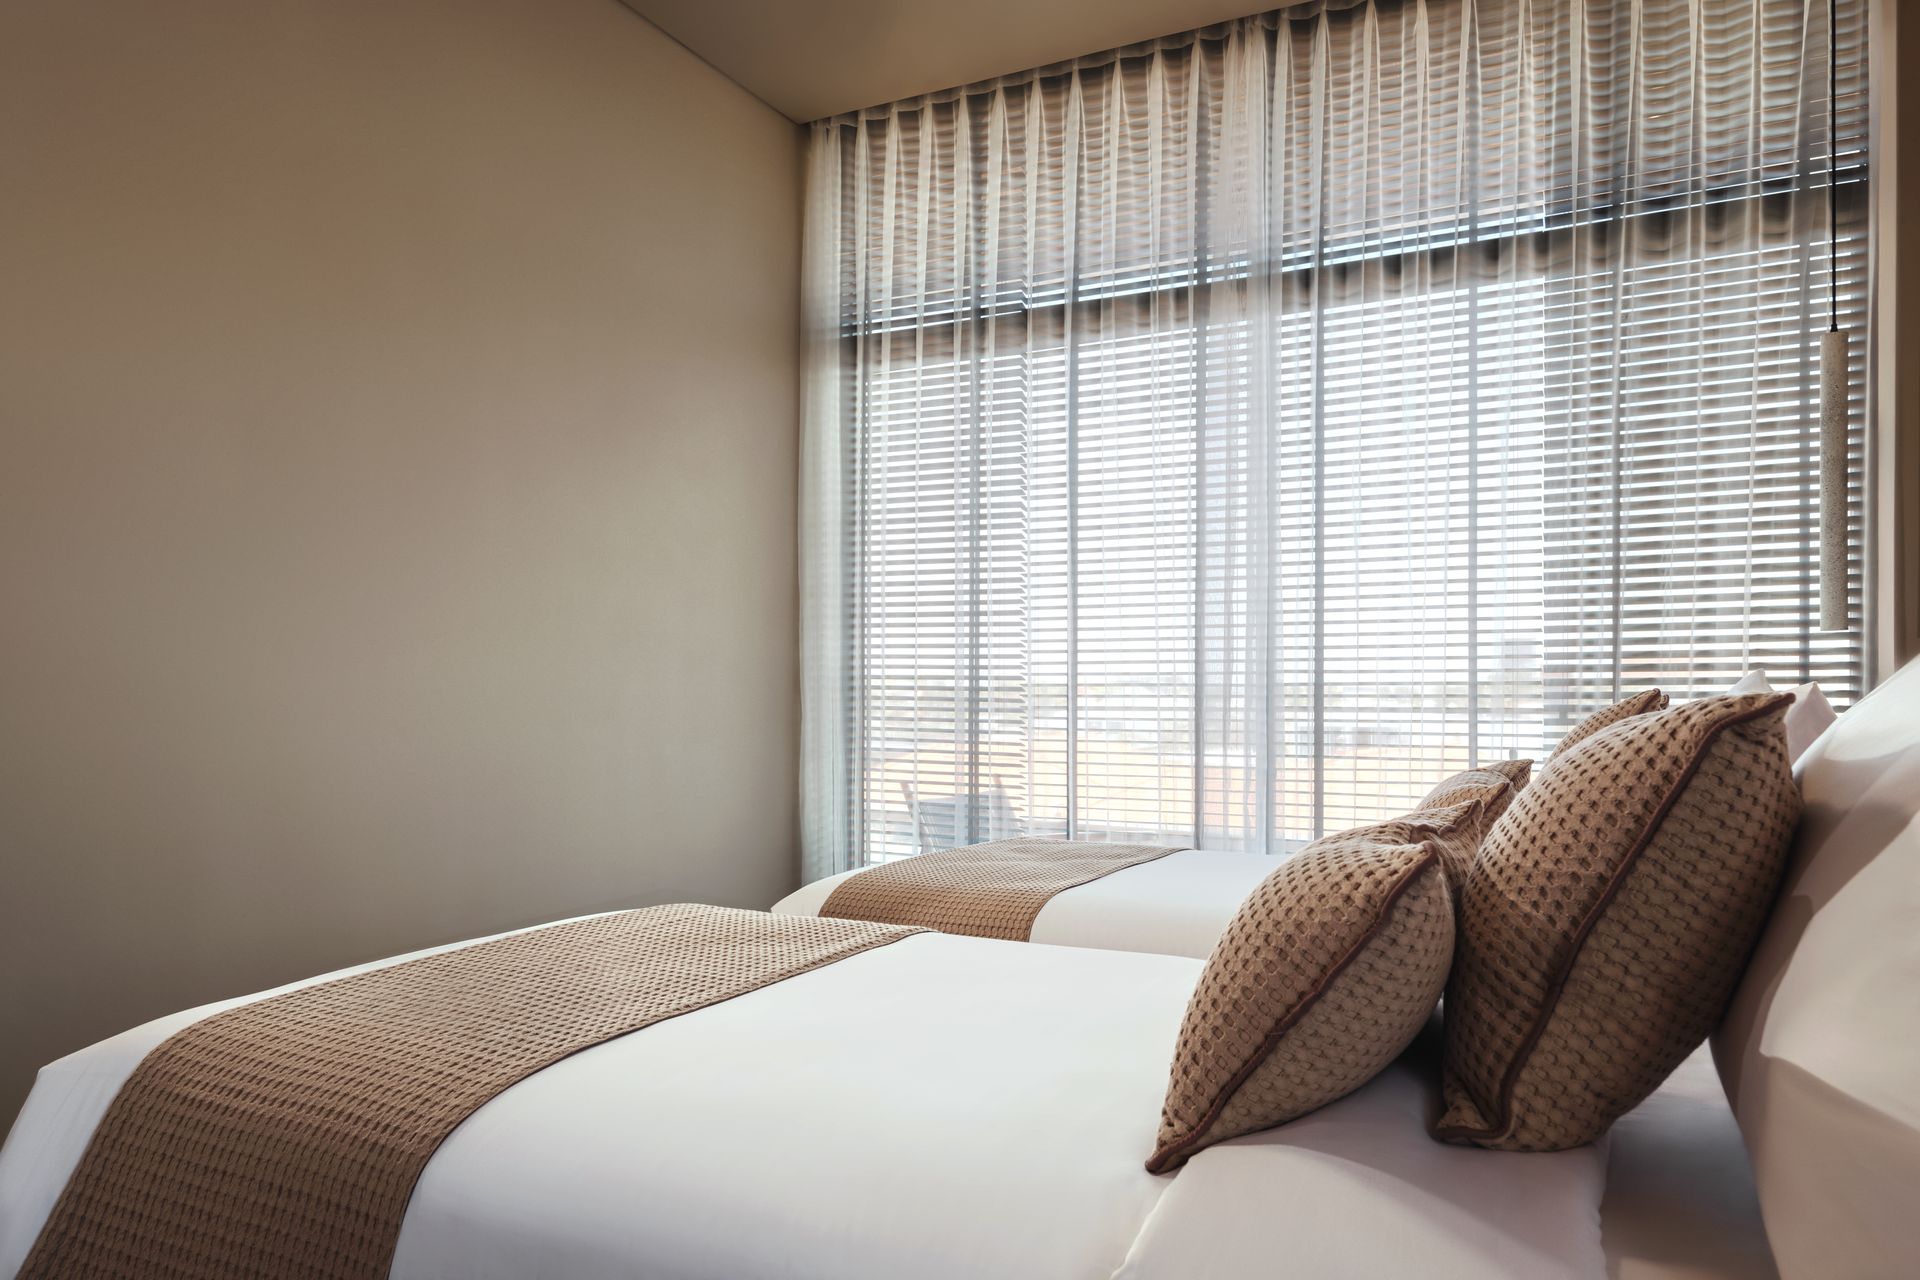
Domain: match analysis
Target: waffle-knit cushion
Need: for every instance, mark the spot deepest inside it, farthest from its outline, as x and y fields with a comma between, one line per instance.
x=1634, y=705
x=1327, y=972
x=1493, y=787
x=1455, y=825
x=1607, y=918
x=1518, y=772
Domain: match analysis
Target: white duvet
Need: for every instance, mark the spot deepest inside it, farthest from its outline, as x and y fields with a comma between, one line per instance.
x=943, y=1106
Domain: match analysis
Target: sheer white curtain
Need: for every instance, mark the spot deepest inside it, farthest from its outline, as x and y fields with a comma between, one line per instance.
x=1221, y=439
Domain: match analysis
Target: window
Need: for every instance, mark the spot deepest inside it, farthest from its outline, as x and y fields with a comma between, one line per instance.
x=1221, y=440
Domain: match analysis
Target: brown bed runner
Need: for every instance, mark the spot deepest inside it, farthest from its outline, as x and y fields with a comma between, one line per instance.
x=986, y=890
x=283, y=1138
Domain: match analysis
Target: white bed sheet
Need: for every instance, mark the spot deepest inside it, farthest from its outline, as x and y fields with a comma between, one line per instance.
x=1176, y=905
x=943, y=1106
x=1356, y=1190
x=1680, y=1202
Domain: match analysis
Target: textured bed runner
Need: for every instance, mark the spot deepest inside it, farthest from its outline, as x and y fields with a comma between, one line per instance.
x=986, y=890
x=283, y=1138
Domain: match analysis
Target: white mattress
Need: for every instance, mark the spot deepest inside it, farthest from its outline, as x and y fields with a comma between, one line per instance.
x=940, y=1107
x=1176, y=905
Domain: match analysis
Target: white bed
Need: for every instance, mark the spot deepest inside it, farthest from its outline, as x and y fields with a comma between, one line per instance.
x=1677, y=1200
x=1176, y=905
x=943, y=1106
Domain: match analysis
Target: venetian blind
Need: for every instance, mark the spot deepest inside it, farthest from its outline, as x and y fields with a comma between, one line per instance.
x=1219, y=440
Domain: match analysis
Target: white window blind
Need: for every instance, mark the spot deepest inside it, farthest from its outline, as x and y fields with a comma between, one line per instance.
x=1222, y=439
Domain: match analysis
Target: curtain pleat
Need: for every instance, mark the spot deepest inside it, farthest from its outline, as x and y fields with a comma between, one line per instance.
x=1220, y=439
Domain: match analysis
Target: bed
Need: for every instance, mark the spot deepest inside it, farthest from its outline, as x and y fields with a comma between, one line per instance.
x=950, y=1106
x=943, y=1106
x=1176, y=905
x=1674, y=1197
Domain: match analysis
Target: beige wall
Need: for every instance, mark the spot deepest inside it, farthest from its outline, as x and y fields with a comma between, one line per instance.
x=398, y=404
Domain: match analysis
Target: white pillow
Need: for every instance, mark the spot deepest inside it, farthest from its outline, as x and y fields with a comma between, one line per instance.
x=1807, y=718
x=1820, y=1047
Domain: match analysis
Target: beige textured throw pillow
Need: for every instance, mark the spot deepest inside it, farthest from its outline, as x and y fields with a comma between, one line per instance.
x=1327, y=972
x=1493, y=788
x=1607, y=918
x=1518, y=772
x=1636, y=705
x=1494, y=784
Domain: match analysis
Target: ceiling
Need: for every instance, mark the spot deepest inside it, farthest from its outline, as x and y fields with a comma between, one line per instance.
x=814, y=58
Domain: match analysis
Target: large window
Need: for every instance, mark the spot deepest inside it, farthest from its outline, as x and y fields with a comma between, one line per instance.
x=1221, y=440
